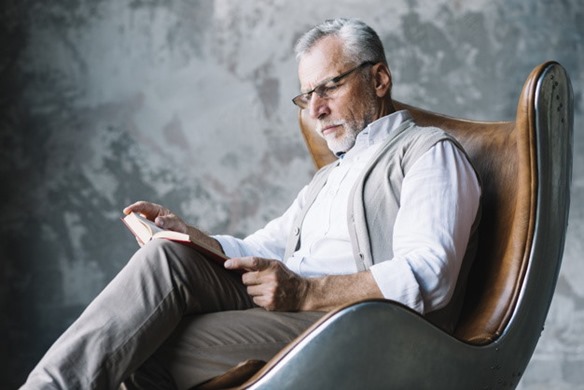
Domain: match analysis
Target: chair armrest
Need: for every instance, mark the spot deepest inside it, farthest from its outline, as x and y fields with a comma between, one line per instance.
x=375, y=344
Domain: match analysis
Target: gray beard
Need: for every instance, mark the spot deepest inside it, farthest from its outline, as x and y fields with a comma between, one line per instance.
x=342, y=145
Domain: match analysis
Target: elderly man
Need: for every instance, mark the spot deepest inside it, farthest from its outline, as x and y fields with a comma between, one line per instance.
x=395, y=217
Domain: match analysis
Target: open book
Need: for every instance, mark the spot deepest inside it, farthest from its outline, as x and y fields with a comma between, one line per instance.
x=146, y=230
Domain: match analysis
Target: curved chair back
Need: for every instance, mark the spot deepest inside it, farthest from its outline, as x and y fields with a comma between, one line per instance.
x=505, y=155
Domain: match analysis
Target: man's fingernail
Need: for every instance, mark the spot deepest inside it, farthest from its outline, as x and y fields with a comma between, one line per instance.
x=227, y=263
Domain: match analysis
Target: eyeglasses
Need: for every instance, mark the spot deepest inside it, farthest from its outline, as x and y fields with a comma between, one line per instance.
x=327, y=88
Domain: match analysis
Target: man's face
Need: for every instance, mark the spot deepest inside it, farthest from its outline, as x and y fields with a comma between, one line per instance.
x=351, y=106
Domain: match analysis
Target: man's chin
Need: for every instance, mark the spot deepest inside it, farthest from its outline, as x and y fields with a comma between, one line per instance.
x=337, y=147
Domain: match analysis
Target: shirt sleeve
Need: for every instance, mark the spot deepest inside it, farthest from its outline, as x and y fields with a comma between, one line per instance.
x=439, y=202
x=268, y=242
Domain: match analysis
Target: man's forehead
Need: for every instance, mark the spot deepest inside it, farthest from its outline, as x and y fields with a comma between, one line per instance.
x=324, y=60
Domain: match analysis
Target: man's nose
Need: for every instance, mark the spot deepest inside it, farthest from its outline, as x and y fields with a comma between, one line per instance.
x=318, y=106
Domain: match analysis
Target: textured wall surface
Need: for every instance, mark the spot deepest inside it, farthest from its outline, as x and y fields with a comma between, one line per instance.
x=187, y=103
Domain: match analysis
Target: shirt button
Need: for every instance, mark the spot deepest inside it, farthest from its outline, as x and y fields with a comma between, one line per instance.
x=296, y=231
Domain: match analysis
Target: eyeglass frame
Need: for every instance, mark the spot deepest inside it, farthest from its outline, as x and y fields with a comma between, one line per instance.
x=321, y=89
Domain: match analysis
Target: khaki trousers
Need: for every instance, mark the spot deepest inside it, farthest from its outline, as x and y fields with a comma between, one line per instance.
x=169, y=319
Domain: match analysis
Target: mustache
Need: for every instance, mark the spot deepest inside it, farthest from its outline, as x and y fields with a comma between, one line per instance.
x=320, y=126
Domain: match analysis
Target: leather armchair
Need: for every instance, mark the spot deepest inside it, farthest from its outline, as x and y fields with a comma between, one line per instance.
x=525, y=166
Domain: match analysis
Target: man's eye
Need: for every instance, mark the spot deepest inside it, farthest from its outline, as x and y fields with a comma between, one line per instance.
x=330, y=88
x=325, y=90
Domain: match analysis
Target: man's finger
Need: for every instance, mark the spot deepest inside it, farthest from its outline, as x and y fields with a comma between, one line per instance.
x=142, y=207
x=254, y=291
x=247, y=263
x=170, y=222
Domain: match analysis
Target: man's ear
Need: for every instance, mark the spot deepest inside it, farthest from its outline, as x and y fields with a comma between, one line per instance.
x=382, y=78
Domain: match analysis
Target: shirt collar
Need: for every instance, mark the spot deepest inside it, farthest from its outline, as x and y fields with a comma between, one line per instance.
x=378, y=131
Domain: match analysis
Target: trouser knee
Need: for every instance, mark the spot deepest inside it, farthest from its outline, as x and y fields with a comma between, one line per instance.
x=203, y=284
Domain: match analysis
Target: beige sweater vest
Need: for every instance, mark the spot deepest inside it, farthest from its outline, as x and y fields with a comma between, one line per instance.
x=374, y=203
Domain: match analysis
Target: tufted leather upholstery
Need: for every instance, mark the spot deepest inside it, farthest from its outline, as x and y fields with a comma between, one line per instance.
x=525, y=167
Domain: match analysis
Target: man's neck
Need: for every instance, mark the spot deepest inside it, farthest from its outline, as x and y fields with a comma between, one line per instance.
x=386, y=107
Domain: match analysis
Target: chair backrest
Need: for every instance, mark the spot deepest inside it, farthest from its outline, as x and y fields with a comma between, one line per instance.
x=505, y=155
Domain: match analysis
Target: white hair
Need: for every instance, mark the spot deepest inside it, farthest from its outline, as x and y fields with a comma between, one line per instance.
x=361, y=42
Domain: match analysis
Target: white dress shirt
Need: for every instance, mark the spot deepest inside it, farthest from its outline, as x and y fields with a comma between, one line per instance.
x=439, y=202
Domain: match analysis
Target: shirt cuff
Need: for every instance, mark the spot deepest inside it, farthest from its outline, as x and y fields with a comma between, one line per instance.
x=231, y=246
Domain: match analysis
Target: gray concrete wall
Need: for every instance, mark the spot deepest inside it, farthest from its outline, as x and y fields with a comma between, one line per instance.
x=187, y=103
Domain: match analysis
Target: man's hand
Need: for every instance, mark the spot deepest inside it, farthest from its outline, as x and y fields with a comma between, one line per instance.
x=161, y=216
x=271, y=284
x=166, y=219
